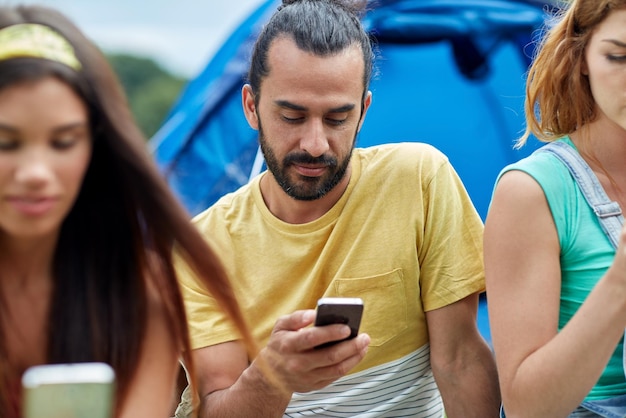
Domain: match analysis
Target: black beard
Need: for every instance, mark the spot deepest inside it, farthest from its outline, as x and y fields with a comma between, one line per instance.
x=314, y=187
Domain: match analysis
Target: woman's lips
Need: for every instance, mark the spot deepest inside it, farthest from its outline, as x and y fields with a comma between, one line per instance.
x=32, y=206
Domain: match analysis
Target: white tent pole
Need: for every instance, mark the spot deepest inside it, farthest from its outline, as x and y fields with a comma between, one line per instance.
x=257, y=166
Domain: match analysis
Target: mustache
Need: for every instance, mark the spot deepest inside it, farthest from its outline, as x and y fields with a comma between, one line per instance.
x=305, y=158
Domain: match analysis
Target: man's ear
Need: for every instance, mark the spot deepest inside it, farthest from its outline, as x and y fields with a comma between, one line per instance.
x=249, y=106
x=366, y=105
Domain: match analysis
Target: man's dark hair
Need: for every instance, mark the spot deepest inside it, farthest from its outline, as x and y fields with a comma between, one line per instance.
x=321, y=27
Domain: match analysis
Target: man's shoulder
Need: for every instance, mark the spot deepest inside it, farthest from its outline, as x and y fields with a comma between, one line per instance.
x=401, y=156
x=232, y=202
x=402, y=150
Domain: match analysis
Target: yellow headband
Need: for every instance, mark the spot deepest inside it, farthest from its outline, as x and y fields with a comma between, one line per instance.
x=38, y=41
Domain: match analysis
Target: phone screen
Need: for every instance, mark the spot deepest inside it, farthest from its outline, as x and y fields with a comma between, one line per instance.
x=81, y=390
x=340, y=311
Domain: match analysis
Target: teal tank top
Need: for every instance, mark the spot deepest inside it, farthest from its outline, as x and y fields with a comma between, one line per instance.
x=586, y=252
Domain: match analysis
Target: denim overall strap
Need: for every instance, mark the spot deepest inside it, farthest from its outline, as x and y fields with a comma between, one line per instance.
x=608, y=212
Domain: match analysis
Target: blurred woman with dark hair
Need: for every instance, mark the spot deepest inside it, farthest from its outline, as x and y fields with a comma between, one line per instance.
x=87, y=224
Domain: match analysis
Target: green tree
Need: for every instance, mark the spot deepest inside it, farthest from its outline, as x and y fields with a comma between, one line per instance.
x=151, y=90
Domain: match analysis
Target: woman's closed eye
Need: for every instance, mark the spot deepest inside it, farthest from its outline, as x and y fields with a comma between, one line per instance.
x=8, y=144
x=616, y=57
x=65, y=142
x=67, y=138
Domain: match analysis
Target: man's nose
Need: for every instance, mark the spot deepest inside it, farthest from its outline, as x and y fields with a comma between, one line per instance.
x=314, y=140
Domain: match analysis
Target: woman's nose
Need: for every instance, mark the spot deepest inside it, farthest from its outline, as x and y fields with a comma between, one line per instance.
x=34, y=167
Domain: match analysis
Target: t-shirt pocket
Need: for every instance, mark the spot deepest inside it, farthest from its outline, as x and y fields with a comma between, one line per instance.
x=384, y=303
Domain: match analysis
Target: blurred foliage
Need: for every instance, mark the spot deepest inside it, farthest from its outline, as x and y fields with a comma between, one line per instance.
x=151, y=89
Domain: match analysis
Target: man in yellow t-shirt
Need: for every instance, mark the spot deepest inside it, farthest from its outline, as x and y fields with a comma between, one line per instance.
x=392, y=225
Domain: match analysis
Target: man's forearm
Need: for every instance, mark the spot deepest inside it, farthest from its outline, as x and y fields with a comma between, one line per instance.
x=253, y=395
x=470, y=389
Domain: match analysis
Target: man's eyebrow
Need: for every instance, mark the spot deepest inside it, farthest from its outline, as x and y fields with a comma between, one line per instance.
x=343, y=109
x=289, y=105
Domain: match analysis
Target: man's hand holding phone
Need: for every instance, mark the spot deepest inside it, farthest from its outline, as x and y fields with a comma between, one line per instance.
x=292, y=353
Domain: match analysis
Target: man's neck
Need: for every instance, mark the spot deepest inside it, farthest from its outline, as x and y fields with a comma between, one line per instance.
x=294, y=211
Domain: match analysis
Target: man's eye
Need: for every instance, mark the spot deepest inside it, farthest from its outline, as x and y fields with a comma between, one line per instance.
x=336, y=122
x=292, y=120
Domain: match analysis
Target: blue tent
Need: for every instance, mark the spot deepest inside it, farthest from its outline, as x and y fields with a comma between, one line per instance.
x=450, y=73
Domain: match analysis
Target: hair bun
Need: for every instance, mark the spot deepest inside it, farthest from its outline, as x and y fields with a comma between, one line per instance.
x=355, y=6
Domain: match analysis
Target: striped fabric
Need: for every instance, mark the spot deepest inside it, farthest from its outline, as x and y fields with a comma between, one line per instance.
x=402, y=388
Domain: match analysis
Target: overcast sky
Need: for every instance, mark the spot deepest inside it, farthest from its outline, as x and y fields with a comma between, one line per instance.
x=181, y=35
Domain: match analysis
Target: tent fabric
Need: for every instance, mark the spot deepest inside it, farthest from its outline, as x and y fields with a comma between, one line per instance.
x=449, y=73
x=205, y=147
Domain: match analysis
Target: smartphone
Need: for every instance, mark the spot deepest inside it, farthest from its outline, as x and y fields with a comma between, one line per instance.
x=339, y=311
x=73, y=390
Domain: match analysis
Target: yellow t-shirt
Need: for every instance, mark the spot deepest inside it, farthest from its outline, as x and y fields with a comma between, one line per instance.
x=404, y=237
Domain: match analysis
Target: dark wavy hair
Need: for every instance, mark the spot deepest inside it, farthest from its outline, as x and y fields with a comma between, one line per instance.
x=119, y=236
x=321, y=27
